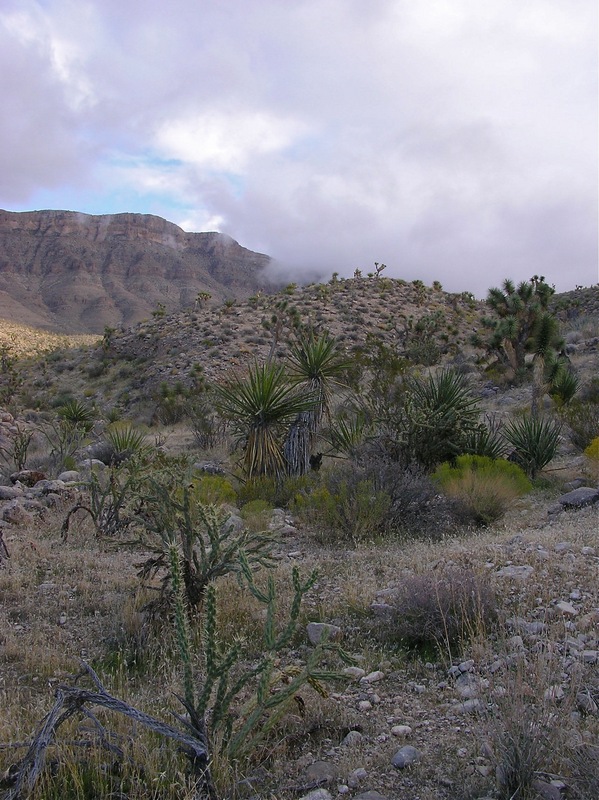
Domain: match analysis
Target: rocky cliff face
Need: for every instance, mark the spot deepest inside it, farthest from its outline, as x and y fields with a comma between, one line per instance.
x=75, y=272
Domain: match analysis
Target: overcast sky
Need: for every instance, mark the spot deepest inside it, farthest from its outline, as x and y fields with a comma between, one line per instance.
x=453, y=140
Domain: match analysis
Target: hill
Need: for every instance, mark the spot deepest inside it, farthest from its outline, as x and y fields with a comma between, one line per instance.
x=77, y=273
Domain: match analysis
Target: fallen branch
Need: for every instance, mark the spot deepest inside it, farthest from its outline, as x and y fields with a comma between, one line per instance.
x=70, y=700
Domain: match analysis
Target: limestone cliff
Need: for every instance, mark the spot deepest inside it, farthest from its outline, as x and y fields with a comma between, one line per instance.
x=73, y=272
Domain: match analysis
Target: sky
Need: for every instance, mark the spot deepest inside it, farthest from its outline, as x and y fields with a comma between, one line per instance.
x=452, y=140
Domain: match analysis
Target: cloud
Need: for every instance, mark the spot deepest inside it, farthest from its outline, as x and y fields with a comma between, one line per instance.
x=452, y=140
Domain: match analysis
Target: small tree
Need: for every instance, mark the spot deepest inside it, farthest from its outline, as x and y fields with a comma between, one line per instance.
x=521, y=321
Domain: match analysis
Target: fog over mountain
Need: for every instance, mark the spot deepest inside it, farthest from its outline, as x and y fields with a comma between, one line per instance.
x=453, y=140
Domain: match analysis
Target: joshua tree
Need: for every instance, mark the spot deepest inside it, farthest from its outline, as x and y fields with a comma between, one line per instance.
x=521, y=315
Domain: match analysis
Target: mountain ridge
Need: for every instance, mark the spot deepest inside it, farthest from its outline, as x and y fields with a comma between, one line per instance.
x=78, y=273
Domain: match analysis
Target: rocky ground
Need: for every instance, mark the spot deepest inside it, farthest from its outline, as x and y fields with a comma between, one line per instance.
x=436, y=725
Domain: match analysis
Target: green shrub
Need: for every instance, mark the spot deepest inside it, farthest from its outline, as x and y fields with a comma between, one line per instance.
x=484, y=486
x=256, y=514
x=535, y=442
x=345, y=509
x=214, y=489
x=277, y=493
x=592, y=451
x=582, y=417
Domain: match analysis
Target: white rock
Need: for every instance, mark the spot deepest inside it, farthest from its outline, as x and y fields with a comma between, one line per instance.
x=566, y=608
x=401, y=731
x=373, y=677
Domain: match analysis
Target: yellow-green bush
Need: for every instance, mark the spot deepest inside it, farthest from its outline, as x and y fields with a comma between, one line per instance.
x=592, y=451
x=214, y=489
x=483, y=486
x=345, y=510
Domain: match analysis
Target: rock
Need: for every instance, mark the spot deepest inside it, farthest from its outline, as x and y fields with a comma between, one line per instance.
x=356, y=777
x=370, y=795
x=590, y=656
x=317, y=794
x=554, y=693
x=382, y=609
x=45, y=486
x=14, y=513
x=209, y=467
x=518, y=572
x=70, y=476
x=547, y=791
x=401, y=731
x=10, y=492
x=467, y=686
x=532, y=628
x=364, y=705
x=320, y=772
x=578, y=498
x=470, y=706
x=566, y=608
x=585, y=703
x=354, y=672
x=405, y=757
x=317, y=630
x=28, y=477
x=352, y=739
x=373, y=677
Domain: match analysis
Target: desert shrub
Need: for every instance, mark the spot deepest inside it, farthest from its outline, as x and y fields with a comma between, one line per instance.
x=590, y=392
x=486, y=440
x=214, y=489
x=208, y=428
x=345, y=507
x=535, y=441
x=592, y=451
x=582, y=418
x=210, y=544
x=426, y=420
x=440, y=611
x=416, y=508
x=484, y=486
x=125, y=441
x=171, y=403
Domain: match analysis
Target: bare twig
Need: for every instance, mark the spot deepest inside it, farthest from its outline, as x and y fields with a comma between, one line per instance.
x=72, y=700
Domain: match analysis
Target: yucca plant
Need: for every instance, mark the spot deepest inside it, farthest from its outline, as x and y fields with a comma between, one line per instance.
x=260, y=406
x=77, y=414
x=564, y=385
x=535, y=442
x=315, y=366
x=125, y=441
x=441, y=414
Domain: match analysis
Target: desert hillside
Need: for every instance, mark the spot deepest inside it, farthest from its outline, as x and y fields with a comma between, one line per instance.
x=304, y=546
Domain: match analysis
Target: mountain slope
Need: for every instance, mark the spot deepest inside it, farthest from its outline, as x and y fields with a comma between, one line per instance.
x=73, y=272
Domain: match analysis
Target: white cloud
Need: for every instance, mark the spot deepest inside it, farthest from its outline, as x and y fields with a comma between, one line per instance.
x=453, y=139
x=226, y=140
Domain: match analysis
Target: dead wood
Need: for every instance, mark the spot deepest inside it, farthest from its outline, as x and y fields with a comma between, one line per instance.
x=21, y=777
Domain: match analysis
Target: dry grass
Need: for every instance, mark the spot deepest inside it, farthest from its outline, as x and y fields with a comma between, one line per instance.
x=22, y=341
x=96, y=587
